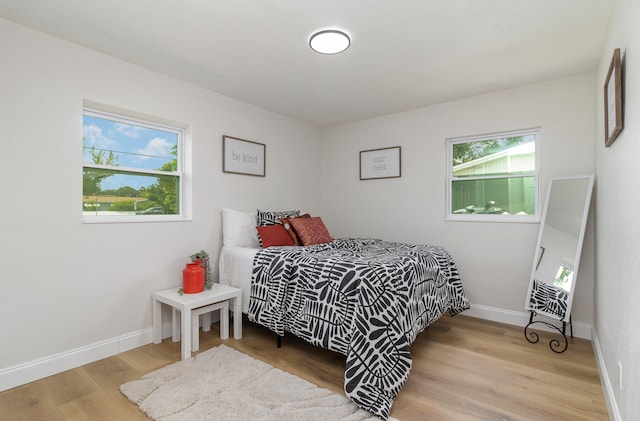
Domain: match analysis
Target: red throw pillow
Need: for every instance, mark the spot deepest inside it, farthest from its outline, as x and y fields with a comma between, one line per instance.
x=311, y=230
x=292, y=233
x=274, y=235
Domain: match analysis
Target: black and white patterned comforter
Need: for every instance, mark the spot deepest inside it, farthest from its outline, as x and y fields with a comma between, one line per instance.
x=367, y=299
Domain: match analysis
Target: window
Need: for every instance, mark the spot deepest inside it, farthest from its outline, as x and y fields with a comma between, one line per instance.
x=132, y=169
x=564, y=277
x=494, y=177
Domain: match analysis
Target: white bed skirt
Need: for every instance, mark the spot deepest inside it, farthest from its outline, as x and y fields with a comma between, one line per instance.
x=236, y=266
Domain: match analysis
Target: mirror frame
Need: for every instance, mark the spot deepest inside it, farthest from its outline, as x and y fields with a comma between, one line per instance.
x=536, y=259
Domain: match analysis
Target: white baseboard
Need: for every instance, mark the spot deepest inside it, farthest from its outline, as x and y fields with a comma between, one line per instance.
x=38, y=369
x=607, y=385
x=518, y=318
x=34, y=370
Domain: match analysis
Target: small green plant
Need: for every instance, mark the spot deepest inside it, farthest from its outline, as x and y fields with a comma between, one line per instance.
x=204, y=262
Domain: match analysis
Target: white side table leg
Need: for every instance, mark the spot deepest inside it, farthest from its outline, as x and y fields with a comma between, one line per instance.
x=206, y=322
x=195, y=331
x=157, y=321
x=175, y=327
x=237, y=317
x=224, y=320
x=186, y=333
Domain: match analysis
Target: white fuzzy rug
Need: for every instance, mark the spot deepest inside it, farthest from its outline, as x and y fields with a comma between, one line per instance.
x=224, y=384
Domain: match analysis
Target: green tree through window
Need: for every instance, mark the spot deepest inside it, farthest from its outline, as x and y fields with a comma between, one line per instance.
x=130, y=167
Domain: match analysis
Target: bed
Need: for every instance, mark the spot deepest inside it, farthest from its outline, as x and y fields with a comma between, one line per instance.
x=365, y=298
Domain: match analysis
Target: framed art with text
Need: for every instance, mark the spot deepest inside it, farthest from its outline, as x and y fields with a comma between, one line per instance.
x=380, y=163
x=241, y=156
x=613, y=114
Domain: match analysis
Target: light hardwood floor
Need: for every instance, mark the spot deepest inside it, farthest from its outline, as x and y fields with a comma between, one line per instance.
x=463, y=369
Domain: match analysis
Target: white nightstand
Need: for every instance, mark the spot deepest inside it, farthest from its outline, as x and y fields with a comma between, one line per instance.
x=219, y=297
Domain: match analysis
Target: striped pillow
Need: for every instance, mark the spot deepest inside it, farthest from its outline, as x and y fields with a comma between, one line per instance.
x=265, y=218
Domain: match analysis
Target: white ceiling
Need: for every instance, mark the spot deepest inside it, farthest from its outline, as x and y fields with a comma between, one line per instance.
x=404, y=54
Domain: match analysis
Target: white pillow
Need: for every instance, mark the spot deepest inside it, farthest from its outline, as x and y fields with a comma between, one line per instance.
x=239, y=229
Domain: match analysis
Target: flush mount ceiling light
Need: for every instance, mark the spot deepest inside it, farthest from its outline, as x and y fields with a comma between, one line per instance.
x=330, y=41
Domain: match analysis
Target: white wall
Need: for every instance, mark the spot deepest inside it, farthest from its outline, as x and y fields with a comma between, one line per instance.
x=72, y=287
x=617, y=318
x=68, y=286
x=494, y=259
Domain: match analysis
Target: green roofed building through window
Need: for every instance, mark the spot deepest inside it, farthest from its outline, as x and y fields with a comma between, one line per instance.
x=494, y=177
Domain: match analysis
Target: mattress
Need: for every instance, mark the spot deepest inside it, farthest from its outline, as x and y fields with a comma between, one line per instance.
x=236, y=264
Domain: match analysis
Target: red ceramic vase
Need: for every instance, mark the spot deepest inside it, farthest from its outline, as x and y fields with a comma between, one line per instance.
x=193, y=278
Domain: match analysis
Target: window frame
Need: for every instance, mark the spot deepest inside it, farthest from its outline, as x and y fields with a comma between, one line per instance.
x=151, y=122
x=450, y=216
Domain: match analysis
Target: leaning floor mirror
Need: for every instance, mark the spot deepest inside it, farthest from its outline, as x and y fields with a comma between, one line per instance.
x=555, y=264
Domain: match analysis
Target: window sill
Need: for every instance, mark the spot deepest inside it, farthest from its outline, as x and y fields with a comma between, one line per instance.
x=133, y=219
x=522, y=219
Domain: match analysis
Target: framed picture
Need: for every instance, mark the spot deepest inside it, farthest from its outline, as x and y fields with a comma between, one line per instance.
x=241, y=156
x=380, y=163
x=613, y=118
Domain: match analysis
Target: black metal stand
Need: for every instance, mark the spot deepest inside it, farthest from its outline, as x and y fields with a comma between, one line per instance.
x=554, y=344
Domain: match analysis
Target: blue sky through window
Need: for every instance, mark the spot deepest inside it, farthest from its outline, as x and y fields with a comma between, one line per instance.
x=133, y=146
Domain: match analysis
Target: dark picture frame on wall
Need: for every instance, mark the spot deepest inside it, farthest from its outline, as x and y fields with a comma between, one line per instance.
x=240, y=156
x=613, y=113
x=380, y=163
